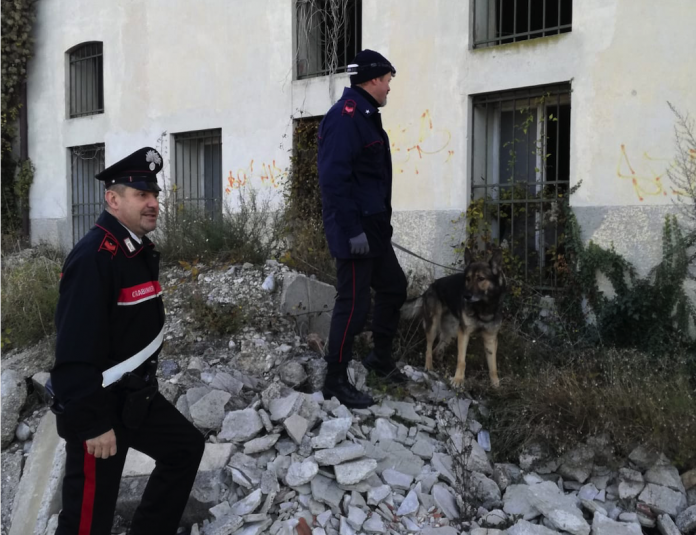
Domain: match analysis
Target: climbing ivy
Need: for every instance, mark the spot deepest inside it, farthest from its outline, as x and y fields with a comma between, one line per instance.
x=17, y=47
x=308, y=249
x=650, y=313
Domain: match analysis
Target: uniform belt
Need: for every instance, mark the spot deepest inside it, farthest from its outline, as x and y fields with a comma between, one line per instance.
x=114, y=373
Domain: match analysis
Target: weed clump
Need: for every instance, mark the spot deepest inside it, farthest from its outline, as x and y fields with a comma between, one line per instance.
x=216, y=318
x=250, y=233
x=633, y=397
x=29, y=296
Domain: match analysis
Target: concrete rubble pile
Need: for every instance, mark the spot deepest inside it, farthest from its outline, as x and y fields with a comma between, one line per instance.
x=281, y=459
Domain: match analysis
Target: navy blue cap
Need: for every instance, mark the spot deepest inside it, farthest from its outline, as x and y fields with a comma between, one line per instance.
x=139, y=170
x=367, y=65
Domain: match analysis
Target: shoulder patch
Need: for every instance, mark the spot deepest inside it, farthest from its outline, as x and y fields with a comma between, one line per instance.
x=349, y=108
x=109, y=245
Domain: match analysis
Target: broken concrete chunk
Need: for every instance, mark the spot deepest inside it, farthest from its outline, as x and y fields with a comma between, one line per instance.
x=260, y=444
x=340, y=454
x=301, y=473
x=296, y=427
x=247, y=505
x=241, y=426
x=354, y=472
x=209, y=411
x=282, y=408
x=331, y=433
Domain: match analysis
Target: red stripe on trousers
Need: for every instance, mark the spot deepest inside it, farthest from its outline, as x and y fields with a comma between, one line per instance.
x=352, y=308
x=90, y=469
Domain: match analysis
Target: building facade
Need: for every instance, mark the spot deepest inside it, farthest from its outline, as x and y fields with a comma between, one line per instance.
x=510, y=101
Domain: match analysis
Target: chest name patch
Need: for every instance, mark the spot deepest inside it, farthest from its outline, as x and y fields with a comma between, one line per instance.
x=138, y=294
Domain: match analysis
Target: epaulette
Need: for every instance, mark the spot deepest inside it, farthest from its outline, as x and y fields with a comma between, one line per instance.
x=349, y=108
x=109, y=244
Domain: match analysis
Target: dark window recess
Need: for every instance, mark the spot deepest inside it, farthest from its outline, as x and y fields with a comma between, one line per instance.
x=86, y=80
x=520, y=169
x=498, y=22
x=328, y=35
x=87, y=192
x=198, y=170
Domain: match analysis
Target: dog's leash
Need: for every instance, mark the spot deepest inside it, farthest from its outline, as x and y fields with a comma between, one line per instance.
x=424, y=259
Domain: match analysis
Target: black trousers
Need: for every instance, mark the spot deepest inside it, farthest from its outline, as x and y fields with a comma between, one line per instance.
x=355, y=277
x=90, y=485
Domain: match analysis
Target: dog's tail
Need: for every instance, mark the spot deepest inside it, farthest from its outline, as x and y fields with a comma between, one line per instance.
x=412, y=308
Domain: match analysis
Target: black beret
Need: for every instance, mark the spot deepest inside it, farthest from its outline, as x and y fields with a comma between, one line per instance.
x=138, y=170
x=367, y=65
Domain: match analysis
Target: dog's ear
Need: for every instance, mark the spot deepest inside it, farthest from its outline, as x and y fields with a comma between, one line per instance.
x=496, y=261
x=468, y=256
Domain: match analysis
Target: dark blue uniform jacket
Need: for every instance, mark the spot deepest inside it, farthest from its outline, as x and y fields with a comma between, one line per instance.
x=110, y=307
x=355, y=174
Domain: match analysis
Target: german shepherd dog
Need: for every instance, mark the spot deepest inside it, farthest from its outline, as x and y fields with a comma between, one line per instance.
x=467, y=302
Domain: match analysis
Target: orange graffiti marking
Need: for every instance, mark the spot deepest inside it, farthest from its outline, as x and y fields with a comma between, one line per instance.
x=270, y=175
x=648, y=181
x=424, y=140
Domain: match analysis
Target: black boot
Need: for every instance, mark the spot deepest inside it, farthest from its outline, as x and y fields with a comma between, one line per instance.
x=385, y=368
x=337, y=385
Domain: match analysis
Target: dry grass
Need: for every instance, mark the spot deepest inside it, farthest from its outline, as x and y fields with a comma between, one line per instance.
x=560, y=396
x=633, y=397
x=29, y=295
x=252, y=232
x=308, y=251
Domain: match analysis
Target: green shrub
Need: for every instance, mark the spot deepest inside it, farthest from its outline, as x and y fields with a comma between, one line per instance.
x=250, y=233
x=29, y=296
x=212, y=317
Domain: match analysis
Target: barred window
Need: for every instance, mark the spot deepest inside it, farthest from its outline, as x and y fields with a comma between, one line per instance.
x=198, y=170
x=328, y=35
x=520, y=173
x=86, y=80
x=498, y=22
x=87, y=192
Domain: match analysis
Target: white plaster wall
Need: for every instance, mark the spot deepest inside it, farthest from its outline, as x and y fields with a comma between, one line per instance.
x=169, y=65
x=626, y=59
x=178, y=65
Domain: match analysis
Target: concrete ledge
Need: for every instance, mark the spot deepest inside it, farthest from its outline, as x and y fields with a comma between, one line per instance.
x=310, y=302
x=38, y=496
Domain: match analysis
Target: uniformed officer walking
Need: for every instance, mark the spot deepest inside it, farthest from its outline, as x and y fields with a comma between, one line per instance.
x=110, y=323
x=355, y=176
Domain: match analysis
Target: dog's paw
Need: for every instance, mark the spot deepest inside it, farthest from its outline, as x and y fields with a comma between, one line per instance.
x=457, y=381
x=495, y=383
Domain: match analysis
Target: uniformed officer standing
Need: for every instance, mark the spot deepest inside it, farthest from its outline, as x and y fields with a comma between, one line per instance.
x=110, y=322
x=355, y=176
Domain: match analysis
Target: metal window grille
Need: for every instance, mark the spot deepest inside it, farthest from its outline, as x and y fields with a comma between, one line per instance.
x=520, y=172
x=87, y=192
x=327, y=31
x=198, y=170
x=86, y=80
x=498, y=22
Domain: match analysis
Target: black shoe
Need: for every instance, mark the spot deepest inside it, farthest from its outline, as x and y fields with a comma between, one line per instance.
x=340, y=387
x=384, y=368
